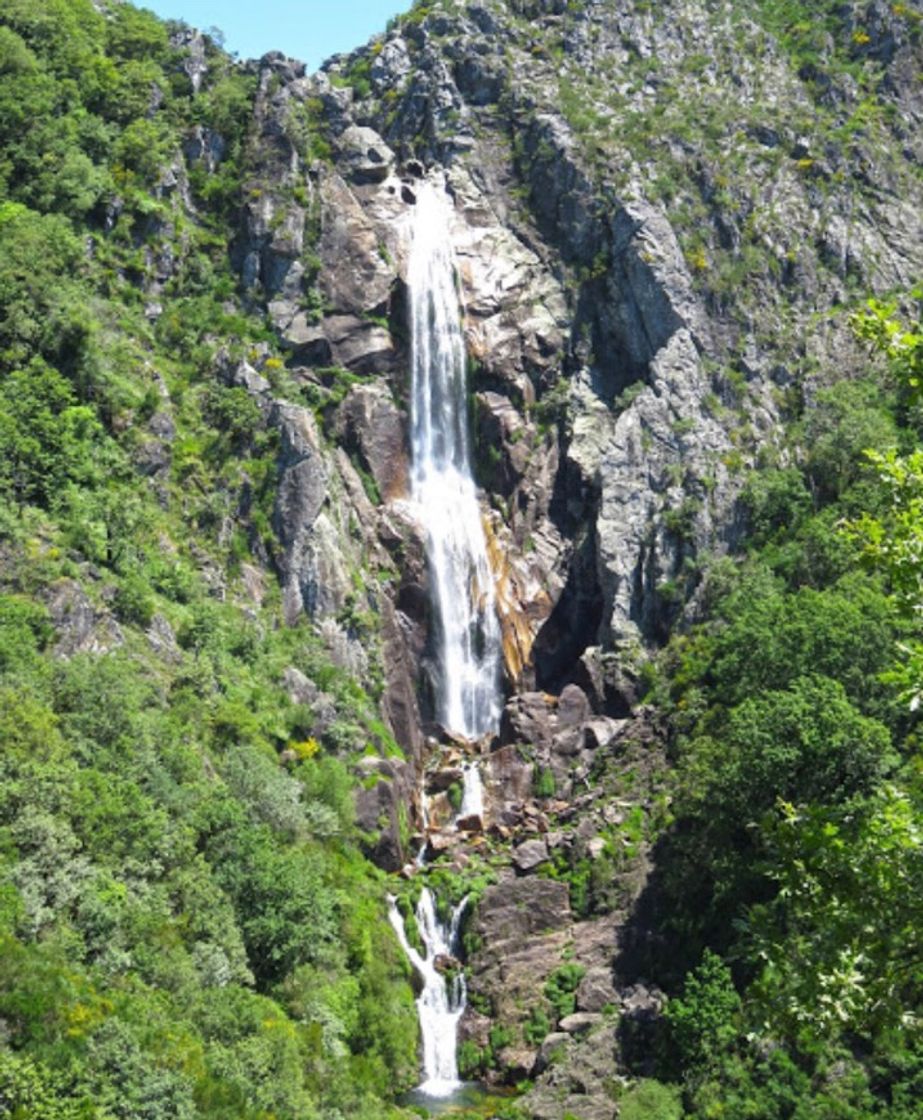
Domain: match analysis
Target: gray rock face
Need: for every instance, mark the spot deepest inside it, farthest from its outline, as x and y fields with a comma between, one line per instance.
x=576, y=1083
x=356, y=278
x=517, y=908
x=300, y=497
x=596, y=990
x=205, y=145
x=378, y=812
x=364, y=154
x=80, y=627
x=581, y=1022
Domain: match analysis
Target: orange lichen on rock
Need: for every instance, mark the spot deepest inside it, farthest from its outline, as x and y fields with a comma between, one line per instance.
x=516, y=609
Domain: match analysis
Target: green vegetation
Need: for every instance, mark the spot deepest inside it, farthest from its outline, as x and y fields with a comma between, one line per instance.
x=187, y=926
x=789, y=880
x=561, y=986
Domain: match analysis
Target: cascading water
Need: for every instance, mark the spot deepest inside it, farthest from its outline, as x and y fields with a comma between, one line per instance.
x=468, y=680
x=472, y=803
x=468, y=694
x=441, y=1001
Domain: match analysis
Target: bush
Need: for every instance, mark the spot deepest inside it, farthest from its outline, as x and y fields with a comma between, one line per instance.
x=650, y=1100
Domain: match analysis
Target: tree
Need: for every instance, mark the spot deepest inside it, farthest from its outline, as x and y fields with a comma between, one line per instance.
x=841, y=944
x=703, y=1022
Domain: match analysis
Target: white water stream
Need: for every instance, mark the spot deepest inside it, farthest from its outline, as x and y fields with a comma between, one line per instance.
x=468, y=686
x=472, y=804
x=468, y=674
x=441, y=1001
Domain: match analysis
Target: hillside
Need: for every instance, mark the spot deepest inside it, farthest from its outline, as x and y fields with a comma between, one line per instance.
x=687, y=239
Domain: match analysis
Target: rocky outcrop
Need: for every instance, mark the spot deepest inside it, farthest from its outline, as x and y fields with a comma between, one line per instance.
x=80, y=626
x=382, y=809
x=313, y=578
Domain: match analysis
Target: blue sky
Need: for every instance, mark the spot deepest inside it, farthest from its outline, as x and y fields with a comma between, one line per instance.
x=310, y=30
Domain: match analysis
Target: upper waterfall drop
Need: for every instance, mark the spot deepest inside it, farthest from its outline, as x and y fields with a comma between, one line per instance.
x=468, y=687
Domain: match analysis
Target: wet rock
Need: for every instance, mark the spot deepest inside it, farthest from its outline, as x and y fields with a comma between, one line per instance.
x=438, y=781
x=473, y=822
x=445, y=962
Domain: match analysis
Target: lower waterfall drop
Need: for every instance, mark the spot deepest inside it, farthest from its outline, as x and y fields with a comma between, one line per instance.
x=442, y=999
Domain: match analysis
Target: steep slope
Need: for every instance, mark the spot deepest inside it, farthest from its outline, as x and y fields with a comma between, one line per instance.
x=218, y=652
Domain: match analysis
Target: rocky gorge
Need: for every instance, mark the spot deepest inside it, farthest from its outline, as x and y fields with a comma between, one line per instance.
x=663, y=219
x=639, y=309
x=636, y=319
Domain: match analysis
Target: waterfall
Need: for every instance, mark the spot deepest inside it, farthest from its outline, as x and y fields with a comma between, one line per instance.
x=472, y=804
x=468, y=694
x=467, y=628
x=441, y=1001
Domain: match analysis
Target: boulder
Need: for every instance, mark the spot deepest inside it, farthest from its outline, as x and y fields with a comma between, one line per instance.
x=529, y=855
x=573, y=707
x=358, y=344
x=364, y=155
x=596, y=990
x=528, y=718
x=307, y=341
x=580, y=1022
x=473, y=822
x=553, y=1047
